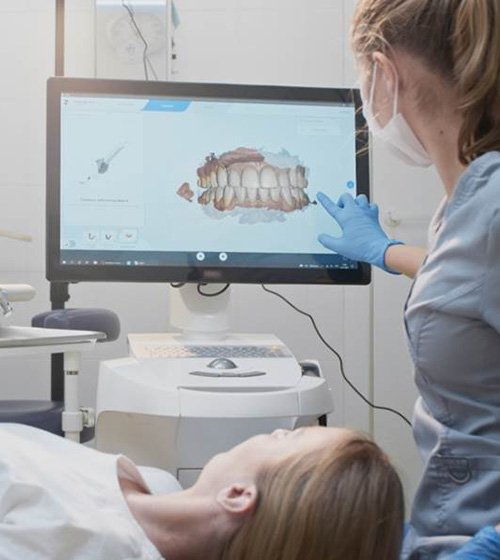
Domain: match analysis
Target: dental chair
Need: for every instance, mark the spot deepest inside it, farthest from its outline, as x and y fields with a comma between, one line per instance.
x=47, y=415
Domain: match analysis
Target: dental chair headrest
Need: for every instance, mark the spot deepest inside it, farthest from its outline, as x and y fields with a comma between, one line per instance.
x=85, y=319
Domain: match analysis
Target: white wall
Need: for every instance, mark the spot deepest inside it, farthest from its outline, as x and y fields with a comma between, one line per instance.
x=266, y=41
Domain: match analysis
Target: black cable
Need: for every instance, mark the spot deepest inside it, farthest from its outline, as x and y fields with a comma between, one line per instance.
x=145, y=58
x=215, y=294
x=152, y=68
x=339, y=357
x=200, y=291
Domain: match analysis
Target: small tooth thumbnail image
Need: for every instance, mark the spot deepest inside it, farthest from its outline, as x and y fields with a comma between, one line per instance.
x=185, y=191
x=101, y=165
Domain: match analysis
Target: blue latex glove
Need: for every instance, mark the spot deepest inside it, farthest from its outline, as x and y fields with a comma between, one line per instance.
x=363, y=239
x=484, y=546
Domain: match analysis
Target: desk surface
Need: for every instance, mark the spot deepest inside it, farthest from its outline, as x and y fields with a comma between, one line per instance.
x=24, y=339
x=31, y=336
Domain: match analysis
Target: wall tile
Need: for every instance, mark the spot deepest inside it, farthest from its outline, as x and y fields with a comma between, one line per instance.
x=20, y=6
x=262, y=46
x=73, y=6
x=22, y=143
x=196, y=5
x=324, y=47
x=26, y=52
x=23, y=211
x=80, y=53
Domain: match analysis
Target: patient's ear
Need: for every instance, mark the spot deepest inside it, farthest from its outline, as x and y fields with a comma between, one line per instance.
x=238, y=499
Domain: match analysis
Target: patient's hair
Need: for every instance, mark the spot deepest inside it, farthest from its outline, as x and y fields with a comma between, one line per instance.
x=457, y=39
x=342, y=503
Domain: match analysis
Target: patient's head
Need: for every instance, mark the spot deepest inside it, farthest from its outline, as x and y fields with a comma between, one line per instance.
x=309, y=494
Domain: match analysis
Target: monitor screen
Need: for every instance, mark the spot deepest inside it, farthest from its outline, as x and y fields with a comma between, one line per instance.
x=151, y=181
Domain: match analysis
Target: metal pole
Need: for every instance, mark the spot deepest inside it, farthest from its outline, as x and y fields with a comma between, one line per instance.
x=59, y=295
x=60, y=14
x=59, y=291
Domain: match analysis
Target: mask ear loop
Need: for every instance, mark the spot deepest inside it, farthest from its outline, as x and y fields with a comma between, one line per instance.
x=374, y=81
x=396, y=92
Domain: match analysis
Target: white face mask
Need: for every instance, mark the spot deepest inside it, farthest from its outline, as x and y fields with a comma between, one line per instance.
x=396, y=134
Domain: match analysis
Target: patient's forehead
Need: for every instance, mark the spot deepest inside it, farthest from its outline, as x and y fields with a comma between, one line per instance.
x=317, y=438
x=334, y=433
x=312, y=438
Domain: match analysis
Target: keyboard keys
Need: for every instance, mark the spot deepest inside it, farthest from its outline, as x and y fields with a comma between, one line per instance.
x=213, y=351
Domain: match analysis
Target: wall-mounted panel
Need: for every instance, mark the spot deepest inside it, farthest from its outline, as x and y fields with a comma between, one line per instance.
x=132, y=39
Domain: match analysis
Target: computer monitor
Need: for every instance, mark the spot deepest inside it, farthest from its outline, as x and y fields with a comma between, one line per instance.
x=185, y=182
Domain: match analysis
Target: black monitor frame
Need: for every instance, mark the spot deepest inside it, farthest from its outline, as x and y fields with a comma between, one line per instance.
x=57, y=272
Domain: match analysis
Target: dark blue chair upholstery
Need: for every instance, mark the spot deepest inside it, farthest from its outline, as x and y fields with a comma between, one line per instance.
x=91, y=319
x=40, y=414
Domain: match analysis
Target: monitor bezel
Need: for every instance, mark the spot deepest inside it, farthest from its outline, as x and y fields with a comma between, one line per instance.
x=57, y=272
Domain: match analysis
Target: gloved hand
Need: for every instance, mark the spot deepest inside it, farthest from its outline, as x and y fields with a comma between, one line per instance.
x=363, y=239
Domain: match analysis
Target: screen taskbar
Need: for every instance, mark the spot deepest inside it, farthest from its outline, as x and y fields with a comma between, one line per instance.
x=205, y=259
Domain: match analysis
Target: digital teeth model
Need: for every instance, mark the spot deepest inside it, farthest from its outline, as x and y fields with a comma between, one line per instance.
x=249, y=178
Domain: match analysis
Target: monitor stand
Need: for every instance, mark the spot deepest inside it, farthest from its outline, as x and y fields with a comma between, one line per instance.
x=200, y=317
x=201, y=325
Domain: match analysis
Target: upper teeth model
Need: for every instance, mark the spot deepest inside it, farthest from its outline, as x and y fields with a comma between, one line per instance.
x=253, y=179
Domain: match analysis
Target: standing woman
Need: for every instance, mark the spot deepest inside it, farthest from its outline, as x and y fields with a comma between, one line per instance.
x=430, y=74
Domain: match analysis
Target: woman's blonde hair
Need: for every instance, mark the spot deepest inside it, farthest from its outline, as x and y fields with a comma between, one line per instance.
x=342, y=503
x=460, y=40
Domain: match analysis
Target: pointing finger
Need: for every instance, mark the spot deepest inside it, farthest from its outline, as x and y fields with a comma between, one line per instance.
x=328, y=205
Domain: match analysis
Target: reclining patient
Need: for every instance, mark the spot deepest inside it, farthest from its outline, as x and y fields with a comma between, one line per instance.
x=311, y=494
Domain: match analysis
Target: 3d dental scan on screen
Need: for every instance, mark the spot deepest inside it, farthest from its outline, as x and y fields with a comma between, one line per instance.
x=200, y=186
x=176, y=182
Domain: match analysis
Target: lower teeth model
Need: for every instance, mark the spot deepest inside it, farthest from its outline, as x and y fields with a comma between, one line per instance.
x=249, y=178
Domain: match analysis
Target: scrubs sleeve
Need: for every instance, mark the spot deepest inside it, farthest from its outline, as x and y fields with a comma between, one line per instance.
x=484, y=546
x=490, y=301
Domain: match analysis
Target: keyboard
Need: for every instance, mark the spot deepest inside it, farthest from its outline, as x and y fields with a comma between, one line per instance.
x=212, y=351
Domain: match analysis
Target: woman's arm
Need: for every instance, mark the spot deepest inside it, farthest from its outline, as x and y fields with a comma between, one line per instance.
x=404, y=259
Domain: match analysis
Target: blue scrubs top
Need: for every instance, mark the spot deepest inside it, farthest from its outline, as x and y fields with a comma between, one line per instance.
x=452, y=320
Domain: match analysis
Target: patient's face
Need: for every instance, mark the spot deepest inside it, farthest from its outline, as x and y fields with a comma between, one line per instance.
x=243, y=462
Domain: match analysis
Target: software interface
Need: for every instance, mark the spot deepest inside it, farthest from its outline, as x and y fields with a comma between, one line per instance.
x=166, y=181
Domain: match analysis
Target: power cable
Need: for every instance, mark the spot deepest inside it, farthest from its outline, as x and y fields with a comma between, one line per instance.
x=215, y=294
x=339, y=357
